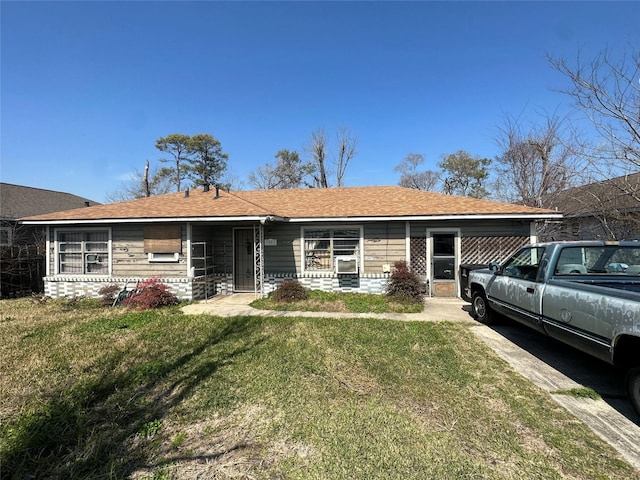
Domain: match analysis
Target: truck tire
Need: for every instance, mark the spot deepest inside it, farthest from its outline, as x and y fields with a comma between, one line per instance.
x=633, y=387
x=481, y=309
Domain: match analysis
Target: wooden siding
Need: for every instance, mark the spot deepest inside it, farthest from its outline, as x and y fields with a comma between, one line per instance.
x=475, y=228
x=284, y=255
x=384, y=243
x=128, y=258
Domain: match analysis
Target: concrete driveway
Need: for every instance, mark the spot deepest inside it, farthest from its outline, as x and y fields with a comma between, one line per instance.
x=554, y=366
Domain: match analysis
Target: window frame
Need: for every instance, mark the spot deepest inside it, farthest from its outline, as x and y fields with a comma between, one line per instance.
x=9, y=234
x=331, y=270
x=84, y=252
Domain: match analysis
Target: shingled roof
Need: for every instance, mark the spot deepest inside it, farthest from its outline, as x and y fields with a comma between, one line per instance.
x=18, y=201
x=619, y=194
x=294, y=205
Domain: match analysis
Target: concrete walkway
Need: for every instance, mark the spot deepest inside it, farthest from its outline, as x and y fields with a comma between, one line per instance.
x=451, y=309
x=617, y=424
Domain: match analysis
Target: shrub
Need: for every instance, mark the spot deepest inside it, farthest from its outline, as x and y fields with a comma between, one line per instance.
x=290, y=291
x=109, y=293
x=151, y=294
x=404, y=284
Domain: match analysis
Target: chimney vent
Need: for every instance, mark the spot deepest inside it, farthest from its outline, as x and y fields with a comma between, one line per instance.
x=186, y=193
x=87, y=204
x=217, y=191
x=206, y=188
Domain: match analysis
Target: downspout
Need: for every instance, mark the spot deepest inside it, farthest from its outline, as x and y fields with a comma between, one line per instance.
x=533, y=234
x=47, y=267
x=190, y=268
x=407, y=242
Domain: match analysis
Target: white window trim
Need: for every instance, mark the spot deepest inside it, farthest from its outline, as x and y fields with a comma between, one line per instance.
x=56, y=252
x=163, y=257
x=332, y=271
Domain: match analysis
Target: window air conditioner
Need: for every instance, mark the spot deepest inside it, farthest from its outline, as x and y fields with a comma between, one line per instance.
x=346, y=264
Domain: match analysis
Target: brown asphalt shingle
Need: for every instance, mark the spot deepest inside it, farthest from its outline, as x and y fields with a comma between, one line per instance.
x=315, y=203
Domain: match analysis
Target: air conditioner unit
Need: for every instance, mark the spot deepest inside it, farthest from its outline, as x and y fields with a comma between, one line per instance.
x=346, y=264
x=92, y=258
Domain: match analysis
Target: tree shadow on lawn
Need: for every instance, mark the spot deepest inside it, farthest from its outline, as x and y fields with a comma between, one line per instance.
x=98, y=428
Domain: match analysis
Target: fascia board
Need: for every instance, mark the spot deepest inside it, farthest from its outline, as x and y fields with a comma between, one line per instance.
x=103, y=221
x=431, y=217
x=273, y=218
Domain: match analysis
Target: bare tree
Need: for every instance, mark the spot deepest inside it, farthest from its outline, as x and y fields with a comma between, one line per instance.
x=346, y=151
x=535, y=162
x=322, y=167
x=263, y=178
x=411, y=177
x=318, y=150
x=152, y=181
x=607, y=91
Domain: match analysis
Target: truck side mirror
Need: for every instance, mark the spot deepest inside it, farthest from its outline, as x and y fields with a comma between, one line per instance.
x=494, y=267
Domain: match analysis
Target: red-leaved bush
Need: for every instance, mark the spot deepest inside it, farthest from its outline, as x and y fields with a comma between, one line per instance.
x=150, y=294
x=404, y=284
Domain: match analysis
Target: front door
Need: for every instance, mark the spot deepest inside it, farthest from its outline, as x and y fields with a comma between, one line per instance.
x=243, y=260
x=443, y=263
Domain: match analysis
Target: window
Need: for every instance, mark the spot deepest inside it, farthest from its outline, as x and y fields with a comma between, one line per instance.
x=609, y=260
x=6, y=236
x=322, y=246
x=525, y=264
x=162, y=243
x=162, y=239
x=83, y=252
x=444, y=256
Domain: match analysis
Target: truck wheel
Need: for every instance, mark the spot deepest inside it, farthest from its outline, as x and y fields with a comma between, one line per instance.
x=481, y=309
x=633, y=387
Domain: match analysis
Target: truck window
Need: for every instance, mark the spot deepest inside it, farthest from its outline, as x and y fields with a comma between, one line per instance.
x=524, y=264
x=607, y=260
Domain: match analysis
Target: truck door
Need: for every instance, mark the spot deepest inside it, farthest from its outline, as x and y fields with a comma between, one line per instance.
x=516, y=290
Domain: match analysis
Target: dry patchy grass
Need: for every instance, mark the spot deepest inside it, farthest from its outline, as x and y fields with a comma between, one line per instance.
x=91, y=392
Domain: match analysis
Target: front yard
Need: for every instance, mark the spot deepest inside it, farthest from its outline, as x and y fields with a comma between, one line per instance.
x=91, y=392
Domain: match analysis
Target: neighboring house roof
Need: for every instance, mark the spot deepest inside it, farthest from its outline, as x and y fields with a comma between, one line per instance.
x=17, y=201
x=619, y=194
x=294, y=205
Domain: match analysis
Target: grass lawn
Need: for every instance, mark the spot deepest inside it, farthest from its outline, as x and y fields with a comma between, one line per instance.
x=320, y=301
x=89, y=392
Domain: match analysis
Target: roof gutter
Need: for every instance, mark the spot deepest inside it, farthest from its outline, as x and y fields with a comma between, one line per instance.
x=275, y=218
x=510, y=216
x=103, y=221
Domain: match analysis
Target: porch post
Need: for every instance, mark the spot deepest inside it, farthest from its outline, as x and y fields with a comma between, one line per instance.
x=258, y=251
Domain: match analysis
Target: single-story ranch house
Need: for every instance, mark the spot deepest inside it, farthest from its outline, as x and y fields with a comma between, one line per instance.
x=209, y=241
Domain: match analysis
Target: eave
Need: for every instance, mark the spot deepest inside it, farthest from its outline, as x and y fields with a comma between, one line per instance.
x=274, y=218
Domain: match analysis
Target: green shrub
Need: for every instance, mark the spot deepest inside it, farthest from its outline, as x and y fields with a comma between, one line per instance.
x=150, y=294
x=290, y=291
x=404, y=284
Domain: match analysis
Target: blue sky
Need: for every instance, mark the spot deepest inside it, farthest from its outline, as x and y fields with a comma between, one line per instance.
x=88, y=87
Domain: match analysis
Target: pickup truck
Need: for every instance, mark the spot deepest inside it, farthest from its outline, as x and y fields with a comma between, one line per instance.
x=585, y=294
